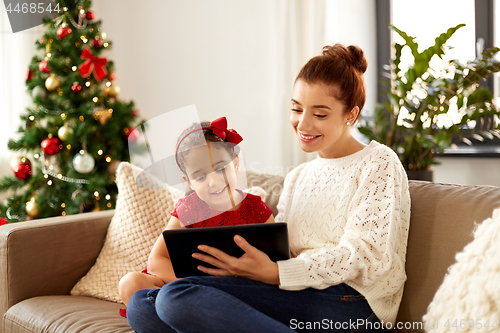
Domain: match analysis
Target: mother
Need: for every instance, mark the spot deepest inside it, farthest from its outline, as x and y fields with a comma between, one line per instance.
x=348, y=218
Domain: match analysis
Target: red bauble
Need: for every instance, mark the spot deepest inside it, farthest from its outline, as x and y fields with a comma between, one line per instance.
x=112, y=76
x=89, y=15
x=134, y=112
x=42, y=66
x=62, y=32
x=3, y=221
x=97, y=43
x=21, y=166
x=22, y=171
x=50, y=146
x=76, y=87
x=30, y=75
x=133, y=135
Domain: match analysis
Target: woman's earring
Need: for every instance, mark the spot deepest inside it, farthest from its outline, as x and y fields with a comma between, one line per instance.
x=348, y=123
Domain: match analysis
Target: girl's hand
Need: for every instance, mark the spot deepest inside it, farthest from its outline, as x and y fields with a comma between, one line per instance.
x=253, y=264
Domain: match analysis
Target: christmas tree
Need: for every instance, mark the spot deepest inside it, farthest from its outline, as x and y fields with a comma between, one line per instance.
x=76, y=133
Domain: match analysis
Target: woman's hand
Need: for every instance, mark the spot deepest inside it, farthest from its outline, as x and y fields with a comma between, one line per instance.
x=253, y=264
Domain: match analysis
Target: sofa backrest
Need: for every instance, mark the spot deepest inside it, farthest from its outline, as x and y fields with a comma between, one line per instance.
x=443, y=218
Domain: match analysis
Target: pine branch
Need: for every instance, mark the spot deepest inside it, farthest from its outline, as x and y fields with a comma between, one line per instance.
x=10, y=183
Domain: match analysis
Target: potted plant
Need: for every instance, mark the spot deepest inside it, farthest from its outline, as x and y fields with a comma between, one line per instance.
x=430, y=108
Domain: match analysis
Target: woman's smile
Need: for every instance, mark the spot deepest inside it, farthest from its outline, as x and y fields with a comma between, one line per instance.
x=307, y=137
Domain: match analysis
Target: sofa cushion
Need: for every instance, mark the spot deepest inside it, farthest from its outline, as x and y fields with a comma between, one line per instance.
x=65, y=314
x=141, y=213
x=469, y=297
x=443, y=218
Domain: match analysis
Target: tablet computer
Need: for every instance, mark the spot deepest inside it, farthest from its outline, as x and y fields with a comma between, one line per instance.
x=271, y=238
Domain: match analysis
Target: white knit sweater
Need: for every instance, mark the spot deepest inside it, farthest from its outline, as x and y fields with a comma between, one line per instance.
x=348, y=221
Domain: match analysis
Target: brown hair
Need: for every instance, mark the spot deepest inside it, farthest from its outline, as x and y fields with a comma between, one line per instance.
x=342, y=69
x=198, y=138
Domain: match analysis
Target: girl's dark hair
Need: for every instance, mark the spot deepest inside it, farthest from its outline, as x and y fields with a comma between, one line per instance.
x=198, y=138
x=342, y=69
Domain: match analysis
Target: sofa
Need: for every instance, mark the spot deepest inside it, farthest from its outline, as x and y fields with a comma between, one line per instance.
x=41, y=260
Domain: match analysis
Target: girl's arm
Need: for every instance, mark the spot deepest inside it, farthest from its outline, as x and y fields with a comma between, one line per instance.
x=159, y=263
x=270, y=219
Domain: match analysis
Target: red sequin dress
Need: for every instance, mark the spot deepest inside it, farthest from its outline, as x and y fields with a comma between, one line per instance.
x=193, y=212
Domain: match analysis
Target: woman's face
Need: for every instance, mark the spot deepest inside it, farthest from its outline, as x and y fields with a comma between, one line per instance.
x=320, y=120
x=214, y=183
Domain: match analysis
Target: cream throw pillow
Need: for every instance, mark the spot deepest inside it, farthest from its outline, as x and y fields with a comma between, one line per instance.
x=142, y=212
x=469, y=298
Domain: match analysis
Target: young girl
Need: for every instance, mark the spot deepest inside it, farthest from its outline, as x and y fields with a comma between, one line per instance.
x=209, y=162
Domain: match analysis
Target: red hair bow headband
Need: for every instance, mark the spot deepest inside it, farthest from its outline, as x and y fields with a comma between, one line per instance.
x=219, y=127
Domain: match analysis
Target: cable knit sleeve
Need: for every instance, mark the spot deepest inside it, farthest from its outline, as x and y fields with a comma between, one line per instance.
x=368, y=244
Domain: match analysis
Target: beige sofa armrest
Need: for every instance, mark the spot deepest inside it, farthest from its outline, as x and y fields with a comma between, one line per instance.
x=48, y=256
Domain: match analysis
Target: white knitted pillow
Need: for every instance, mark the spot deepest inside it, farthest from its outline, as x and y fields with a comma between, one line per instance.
x=469, y=297
x=142, y=212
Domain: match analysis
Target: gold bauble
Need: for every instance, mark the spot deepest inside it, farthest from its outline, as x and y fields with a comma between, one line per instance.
x=32, y=208
x=112, y=91
x=52, y=83
x=63, y=132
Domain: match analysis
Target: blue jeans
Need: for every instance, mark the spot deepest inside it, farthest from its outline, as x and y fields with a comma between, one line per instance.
x=229, y=304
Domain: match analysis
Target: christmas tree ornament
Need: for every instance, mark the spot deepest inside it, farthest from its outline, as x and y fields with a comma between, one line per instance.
x=132, y=135
x=63, y=132
x=76, y=87
x=111, y=90
x=52, y=83
x=39, y=91
x=42, y=66
x=50, y=146
x=32, y=207
x=63, y=31
x=93, y=64
x=30, y=75
x=103, y=115
x=3, y=221
x=111, y=76
x=90, y=15
x=21, y=166
x=83, y=162
x=134, y=112
x=48, y=46
x=97, y=43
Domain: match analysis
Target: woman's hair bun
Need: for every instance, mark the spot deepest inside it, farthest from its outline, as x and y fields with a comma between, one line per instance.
x=352, y=54
x=360, y=61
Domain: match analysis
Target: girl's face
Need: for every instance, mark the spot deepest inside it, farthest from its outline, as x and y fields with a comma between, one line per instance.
x=212, y=185
x=319, y=120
